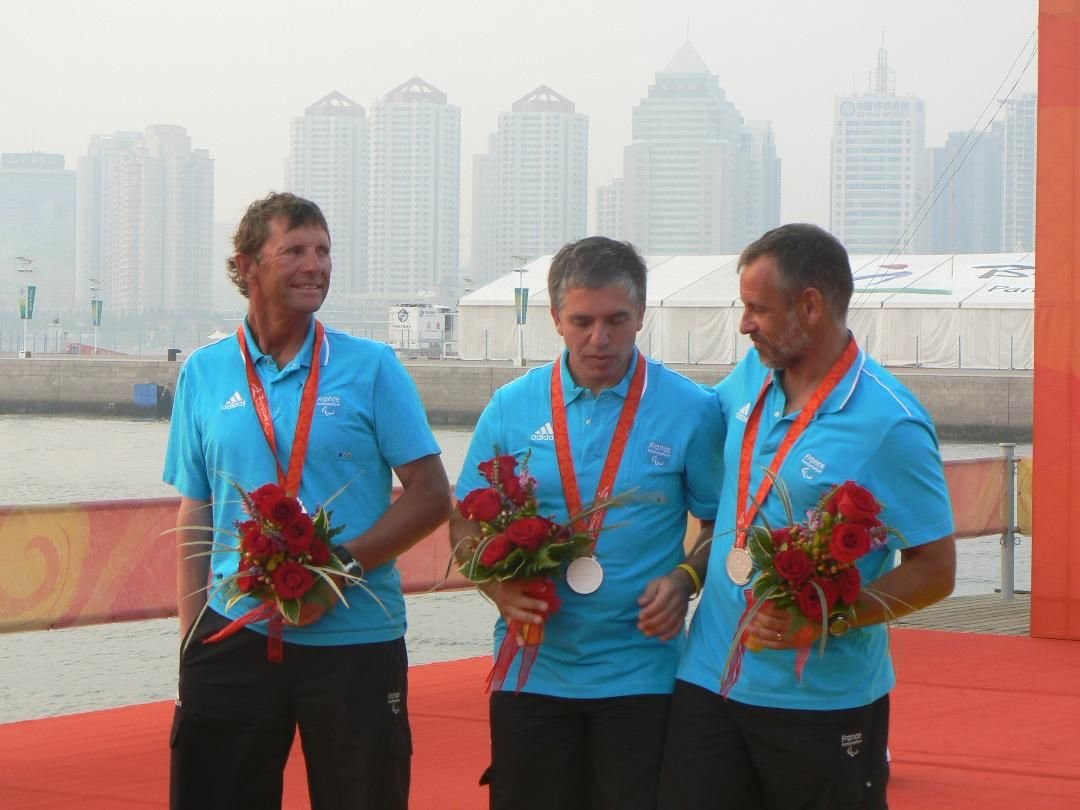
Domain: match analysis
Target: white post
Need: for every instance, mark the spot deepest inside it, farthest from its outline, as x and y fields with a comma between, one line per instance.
x=1008, y=539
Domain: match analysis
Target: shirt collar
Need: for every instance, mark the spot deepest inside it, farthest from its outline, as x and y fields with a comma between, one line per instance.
x=839, y=396
x=303, y=357
x=571, y=390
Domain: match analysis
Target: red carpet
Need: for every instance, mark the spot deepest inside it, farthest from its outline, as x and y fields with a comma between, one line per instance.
x=988, y=722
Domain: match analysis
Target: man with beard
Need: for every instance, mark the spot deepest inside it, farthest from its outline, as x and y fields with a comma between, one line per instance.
x=806, y=410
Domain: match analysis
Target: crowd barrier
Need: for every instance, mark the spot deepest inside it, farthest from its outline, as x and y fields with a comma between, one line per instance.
x=100, y=562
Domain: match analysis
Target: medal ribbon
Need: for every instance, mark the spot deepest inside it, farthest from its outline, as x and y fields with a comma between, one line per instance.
x=615, y=451
x=825, y=387
x=290, y=480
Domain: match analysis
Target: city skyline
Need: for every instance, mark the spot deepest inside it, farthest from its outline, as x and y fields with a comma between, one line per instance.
x=124, y=69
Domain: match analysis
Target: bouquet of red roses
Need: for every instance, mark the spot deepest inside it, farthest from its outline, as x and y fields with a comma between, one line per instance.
x=285, y=563
x=809, y=568
x=517, y=543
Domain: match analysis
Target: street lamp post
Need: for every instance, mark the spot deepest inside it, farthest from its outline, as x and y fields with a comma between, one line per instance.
x=96, y=305
x=27, y=293
x=521, y=306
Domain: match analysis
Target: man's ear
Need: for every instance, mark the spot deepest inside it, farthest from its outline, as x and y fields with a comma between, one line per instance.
x=245, y=266
x=555, y=318
x=812, y=306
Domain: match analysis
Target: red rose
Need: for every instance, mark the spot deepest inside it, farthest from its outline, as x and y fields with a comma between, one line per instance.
x=849, y=583
x=781, y=537
x=528, y=533
x=299, y=534
x=496, y=550
x=481, y=504
x=848, y=542
x=809, y=601
x=248, y=575
x=544, y=589
x=499, y=469
x=854, y=503
x=794, y=565
x=266, y=496
x=253, y=541
x=320, y=552
x=291, y=580
x=514, y=491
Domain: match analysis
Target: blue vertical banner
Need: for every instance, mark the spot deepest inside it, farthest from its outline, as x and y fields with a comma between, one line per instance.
x=95, y=310
x=26, y=301
x=521, y=303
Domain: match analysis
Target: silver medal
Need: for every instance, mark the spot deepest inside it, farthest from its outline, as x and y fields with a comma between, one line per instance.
x=739, y=565
x=584, y=575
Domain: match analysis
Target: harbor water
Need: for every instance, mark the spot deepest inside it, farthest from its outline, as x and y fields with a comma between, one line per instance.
x=50, y=460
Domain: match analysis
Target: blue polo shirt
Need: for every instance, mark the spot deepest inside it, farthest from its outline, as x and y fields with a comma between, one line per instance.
x=871, y=430
x=592, y=647
x=368, y=419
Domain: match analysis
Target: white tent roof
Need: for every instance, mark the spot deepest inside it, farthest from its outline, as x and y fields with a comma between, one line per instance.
x=1000, y=281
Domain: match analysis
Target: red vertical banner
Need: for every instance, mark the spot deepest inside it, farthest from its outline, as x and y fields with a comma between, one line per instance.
x=1055, y=570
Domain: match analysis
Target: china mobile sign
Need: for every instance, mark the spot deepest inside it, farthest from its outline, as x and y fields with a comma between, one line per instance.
x=413, y=326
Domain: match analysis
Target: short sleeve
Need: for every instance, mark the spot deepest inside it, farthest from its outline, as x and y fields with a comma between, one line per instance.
x=185, y=460
x=401, y=426
x=705, y=460
x=486, y=437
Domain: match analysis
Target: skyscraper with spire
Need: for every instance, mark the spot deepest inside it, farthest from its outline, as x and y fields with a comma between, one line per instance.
x=533, y=183
x=878, y=172
x=686, y=173
x=328, y=164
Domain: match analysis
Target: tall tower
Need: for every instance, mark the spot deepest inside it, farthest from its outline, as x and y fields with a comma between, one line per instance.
x=609, y=210
x=967, y=215
x=878, y=173
x=685, y=173
x=414, y=199
x=1018, y=188
x=540, y=161
x=145, y=214
x=37, y=221
x=328, y=164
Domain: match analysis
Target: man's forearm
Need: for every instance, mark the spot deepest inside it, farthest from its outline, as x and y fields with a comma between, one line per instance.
x=422, y=507
x=925, y=575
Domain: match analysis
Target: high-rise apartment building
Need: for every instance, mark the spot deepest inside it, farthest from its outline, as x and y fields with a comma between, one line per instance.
x=878, y=171
x=965, y=184
x=328, y=164
x=760, y=168
x=1018, y=187
x=485, y=203
x=540, y=174
x=685, y=173
x=609, y=210
x=414, y=198
x=37, y=225
x=146, y=213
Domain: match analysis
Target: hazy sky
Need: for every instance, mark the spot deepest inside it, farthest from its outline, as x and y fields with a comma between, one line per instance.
x=233, y=72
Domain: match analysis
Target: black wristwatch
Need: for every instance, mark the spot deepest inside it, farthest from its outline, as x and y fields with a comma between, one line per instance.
x=349, y=563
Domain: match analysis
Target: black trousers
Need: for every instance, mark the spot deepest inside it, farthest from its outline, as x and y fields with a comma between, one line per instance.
x=721, y=754
x=237, y=714
x=552, y=753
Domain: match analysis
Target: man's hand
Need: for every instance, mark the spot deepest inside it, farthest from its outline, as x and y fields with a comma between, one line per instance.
x=663, y=606
x=514, y=603
x=770, y=629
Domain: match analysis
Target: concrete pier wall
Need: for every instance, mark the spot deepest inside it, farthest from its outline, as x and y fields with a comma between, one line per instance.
x=966, y=404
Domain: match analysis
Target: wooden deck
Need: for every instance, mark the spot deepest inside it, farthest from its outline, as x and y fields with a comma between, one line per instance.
x=985, y=613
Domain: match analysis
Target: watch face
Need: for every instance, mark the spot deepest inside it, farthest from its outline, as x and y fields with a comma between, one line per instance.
x=838, y=626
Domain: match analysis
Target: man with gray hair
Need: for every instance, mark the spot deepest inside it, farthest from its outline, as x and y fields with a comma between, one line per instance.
x=587, y=728
x=286, y=400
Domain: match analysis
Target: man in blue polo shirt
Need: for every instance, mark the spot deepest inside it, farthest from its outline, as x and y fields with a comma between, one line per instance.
x=819, y=743
x=342, y=680
x=587, y=729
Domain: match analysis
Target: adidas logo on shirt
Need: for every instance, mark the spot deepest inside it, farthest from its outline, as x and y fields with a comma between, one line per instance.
x=743, y=414
x=544, y=433
x=235, y=401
